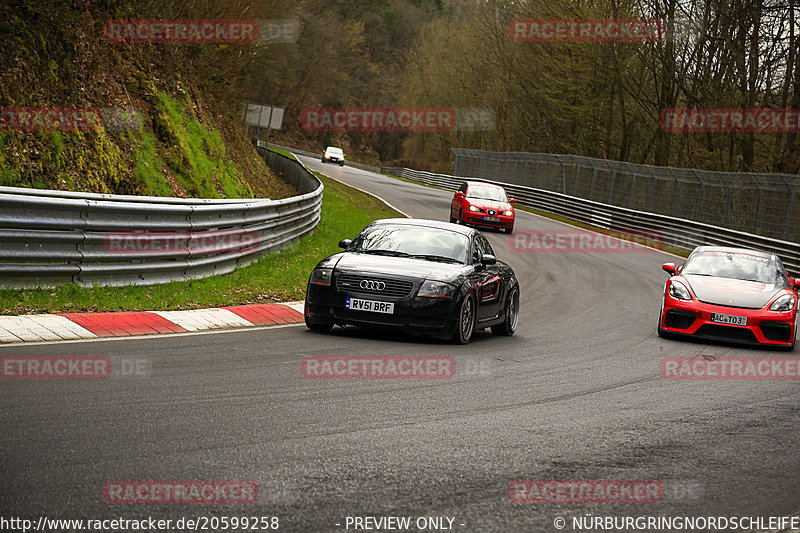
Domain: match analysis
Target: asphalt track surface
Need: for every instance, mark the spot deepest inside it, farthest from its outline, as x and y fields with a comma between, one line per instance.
x=575, y=394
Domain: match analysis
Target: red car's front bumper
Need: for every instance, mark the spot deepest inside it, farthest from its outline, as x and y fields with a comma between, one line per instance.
x=477, y=218
x=694, y=318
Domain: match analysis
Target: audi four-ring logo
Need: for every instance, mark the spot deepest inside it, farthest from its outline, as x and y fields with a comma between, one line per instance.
x=372, y=285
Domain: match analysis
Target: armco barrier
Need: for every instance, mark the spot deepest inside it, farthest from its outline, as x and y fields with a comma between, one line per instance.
x=758, y=203
x=54, y=237
x=676, y=232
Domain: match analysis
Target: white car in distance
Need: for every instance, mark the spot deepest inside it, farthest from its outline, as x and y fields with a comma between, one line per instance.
x=333, y=155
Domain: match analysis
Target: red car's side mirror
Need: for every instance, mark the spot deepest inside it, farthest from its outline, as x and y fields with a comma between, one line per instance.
x=459, y=194
x=669, y=268
x=512, y=201
x=797, y=284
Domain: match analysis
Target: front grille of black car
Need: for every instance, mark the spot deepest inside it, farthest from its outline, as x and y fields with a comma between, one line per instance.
x=726, y=333
x=776, y=331
x=679, y=319
x=351, y=283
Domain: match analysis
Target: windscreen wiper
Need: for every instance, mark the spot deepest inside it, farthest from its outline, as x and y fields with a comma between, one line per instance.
x=440, y=258
x=393, y=253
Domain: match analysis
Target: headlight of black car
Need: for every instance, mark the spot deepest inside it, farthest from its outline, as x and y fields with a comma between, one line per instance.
x=322, y=276
x=435, y=289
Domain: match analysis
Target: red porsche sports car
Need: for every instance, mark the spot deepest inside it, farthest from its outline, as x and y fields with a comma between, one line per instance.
x=730, y=294
x=482, y=204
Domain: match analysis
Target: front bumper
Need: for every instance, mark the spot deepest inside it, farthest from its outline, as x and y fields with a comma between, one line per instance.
x=476, y=218
x=426, y=316
x=764, y=327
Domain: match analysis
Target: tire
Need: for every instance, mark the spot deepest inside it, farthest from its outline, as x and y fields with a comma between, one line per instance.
x=466, y=320
x=341, y=164
x=322, y=328
x=509, y=325
x=661, y=333
x=509, y=230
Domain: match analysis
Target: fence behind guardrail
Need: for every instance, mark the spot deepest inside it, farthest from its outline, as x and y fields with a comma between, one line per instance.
x=673, y=231
x=763, y=204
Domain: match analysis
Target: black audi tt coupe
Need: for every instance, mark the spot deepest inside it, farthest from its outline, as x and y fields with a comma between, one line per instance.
x=423, y=276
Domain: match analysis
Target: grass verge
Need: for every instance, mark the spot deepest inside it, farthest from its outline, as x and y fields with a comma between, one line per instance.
x=277, y=277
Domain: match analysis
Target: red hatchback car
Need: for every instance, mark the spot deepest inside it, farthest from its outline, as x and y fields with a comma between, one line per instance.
x=730, y=294
x=482, y=204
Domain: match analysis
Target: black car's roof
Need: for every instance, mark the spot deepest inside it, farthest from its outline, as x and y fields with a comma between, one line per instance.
x=427, y=223
x=733, y=249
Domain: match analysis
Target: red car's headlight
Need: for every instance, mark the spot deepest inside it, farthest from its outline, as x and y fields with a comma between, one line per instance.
x=678, y=290
x=784, y=303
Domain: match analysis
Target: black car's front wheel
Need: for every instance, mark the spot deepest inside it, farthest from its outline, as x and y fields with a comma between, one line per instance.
x=466, y=320
x=509, y=325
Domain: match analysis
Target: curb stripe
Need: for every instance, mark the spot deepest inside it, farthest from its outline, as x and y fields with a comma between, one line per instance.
x=201, y=319
x=77, y=326
x=266, y=314
x=123, y=323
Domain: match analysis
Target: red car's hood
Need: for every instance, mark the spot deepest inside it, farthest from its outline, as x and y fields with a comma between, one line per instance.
x=731, y=292
x=489, y=204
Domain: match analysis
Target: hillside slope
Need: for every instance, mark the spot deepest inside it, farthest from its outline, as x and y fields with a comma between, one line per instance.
x=169, y=112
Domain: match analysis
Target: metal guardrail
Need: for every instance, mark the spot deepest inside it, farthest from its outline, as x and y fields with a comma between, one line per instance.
x=54, y=237
x=763, y=204
x=674, y=231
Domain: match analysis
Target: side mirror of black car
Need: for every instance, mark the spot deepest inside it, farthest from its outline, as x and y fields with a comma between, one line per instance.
x=345, y=243
x=488, y=259
x=669, y=268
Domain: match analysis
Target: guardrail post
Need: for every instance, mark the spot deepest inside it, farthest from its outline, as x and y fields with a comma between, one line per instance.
x=675, y=197
x=611, y=186
x=758, y=203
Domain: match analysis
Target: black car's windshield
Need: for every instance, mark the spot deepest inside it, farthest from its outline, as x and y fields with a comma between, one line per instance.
x=487, y=193
x=432, y=244
x=736, y=265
